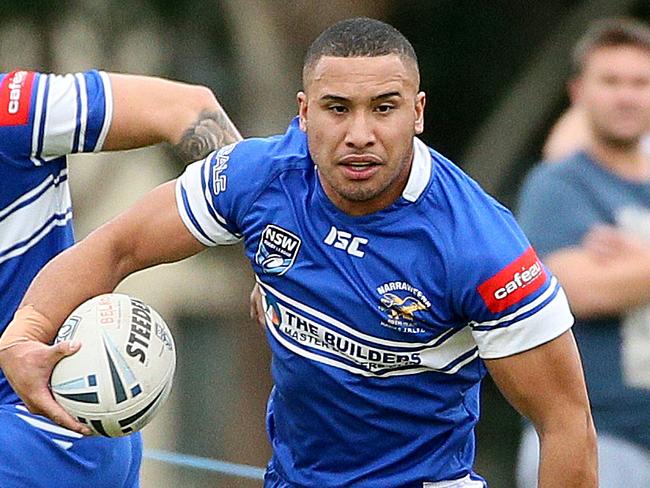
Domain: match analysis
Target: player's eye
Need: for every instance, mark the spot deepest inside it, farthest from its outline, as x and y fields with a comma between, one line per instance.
x=384, y=108
x=337, y=109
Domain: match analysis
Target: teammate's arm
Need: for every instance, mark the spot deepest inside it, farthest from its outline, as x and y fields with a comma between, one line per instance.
x=149, y=233
x=546, y=385
x=148, y=110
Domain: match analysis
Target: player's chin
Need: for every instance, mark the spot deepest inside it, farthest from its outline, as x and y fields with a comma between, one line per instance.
x=359, y=191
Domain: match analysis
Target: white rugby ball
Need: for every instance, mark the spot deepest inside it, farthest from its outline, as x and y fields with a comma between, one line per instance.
x=123, y=372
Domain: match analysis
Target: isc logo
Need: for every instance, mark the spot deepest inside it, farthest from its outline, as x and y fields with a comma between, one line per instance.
x=346, y=241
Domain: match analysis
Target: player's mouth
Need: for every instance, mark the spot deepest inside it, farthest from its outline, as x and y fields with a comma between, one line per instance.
x=360, y=166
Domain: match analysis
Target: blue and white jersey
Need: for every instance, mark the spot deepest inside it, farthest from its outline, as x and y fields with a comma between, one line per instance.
x=378, y=324
x=42, y=118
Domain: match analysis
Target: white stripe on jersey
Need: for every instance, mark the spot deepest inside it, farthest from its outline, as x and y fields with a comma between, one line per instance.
x=60, y=116
x=62, y=113
x=46, y=425
x=108, y=113
x=83, y=115
x=64, y=444
x=198, y=203
x=522, y=310
x=340, y=325
x=543, y=326
x=317, y=336
x=332, y=362
x=38, y=113
x=28, y=225
x=8, y=209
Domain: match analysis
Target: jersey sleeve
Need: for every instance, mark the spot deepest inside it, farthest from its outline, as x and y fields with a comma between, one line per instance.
x=213, y=195
x=510, y=299
x=46, y=116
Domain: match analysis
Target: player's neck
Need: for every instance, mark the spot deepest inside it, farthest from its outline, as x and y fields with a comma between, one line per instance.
x=629, y=161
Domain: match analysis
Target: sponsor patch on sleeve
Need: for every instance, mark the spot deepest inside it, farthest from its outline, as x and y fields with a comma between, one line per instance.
x=15, y=97
x=523, y=276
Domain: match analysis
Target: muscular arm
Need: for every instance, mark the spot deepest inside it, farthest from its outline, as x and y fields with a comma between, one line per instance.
x=608, y=274
x=148, y=110
x=546, y=385
x=149, y=233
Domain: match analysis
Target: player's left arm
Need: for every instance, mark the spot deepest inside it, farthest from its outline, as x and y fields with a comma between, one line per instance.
x=148, y=110
x=546, y=384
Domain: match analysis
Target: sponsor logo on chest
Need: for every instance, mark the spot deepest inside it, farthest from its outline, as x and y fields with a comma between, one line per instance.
x=321, y=337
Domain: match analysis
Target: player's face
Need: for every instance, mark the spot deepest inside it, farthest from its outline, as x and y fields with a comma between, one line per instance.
x=360, y=116
x=614, y=90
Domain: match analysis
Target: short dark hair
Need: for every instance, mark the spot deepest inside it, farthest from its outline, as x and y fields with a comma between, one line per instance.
x=358, y=37
x=610, y=33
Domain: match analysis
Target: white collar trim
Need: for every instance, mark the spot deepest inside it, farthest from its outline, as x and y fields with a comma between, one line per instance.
x=420, y=171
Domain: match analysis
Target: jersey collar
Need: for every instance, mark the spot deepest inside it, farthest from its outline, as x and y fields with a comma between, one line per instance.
x=420, y=171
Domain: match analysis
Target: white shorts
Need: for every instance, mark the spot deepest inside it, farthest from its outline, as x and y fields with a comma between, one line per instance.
x=466, y=482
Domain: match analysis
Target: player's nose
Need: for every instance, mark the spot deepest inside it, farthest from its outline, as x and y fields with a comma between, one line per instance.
x=360, y=132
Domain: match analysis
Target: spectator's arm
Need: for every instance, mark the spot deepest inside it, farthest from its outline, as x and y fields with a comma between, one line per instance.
x=608, y=274
x=570, y=133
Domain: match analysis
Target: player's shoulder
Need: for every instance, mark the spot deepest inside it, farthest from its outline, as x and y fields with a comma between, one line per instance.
x=243, y=170
x=455, y=194
x=270, y=156
x=465, y=217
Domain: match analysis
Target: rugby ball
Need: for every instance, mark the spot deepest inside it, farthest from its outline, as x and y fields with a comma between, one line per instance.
x=123, y=372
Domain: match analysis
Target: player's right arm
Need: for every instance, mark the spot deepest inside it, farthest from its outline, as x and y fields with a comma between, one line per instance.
x=149, y=233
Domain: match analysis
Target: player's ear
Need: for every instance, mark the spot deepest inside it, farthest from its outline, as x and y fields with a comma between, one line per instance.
x=420, y=101
x=302, y=110
x=574, y=87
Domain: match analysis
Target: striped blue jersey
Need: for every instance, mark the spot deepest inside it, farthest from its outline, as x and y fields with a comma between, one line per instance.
x=42, y=119
x=378, y=324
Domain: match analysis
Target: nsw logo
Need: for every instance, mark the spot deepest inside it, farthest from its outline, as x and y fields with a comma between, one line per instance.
x=277, y=250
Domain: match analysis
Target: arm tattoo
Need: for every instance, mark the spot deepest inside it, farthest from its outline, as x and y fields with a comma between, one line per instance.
x=210, y=131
